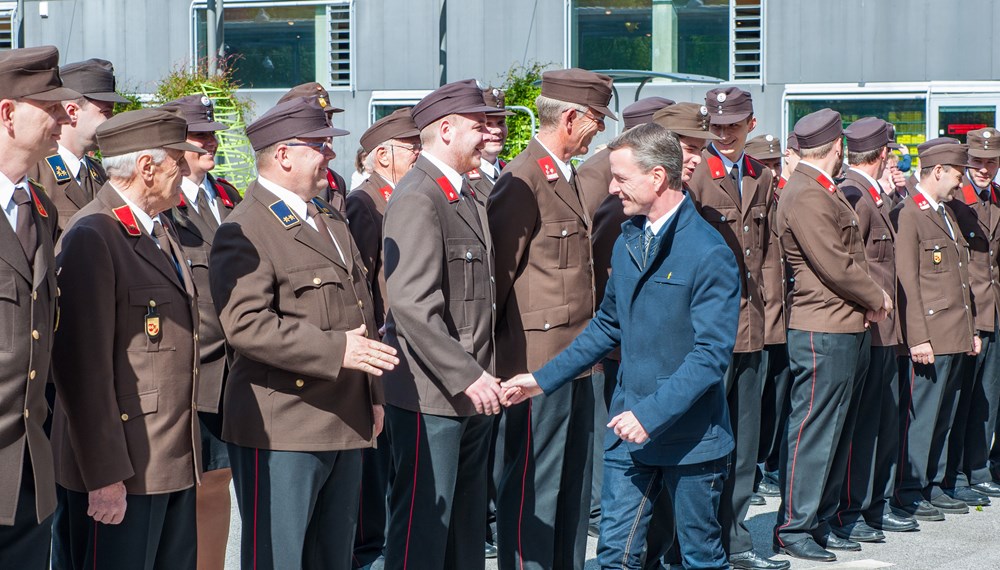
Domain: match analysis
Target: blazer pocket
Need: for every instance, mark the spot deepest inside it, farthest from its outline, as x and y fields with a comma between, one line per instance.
x=936, y=253
x=932, y=308
x=318, y=291
x=545, y=319
x=849, y=231
x=466, y=270
x=137, y=405
x=562, y=246
x=280, y=381
x=149, y=305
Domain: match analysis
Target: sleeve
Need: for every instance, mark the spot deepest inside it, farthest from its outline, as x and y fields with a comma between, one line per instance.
x=911, y=312
x=83, y=358
x=714, y=313
x=415, y=267
x=514, y=220
x=245, y=292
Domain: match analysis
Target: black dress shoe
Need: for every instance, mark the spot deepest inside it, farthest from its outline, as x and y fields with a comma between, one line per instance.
x=858, y=531
x=921, y=510
x=946, y=504
x=834, y=542
x=757, y=501
x=750, y=560
x=807, y=550
x=491, y=551
x=768, y=489
x=989, y=488
x=891, y=522
x=968, y=496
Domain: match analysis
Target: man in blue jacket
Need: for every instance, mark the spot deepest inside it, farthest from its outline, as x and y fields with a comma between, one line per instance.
x=672, y=303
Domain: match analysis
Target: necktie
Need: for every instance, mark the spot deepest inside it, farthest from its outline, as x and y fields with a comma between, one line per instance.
x=471, y=204
x=82, y=178
x=322, y=228
x=205, y=209
x=167, y=247
x=944, y=216
x=984, y=195
x=735, y=174
x=647, y=240
x=25, y=229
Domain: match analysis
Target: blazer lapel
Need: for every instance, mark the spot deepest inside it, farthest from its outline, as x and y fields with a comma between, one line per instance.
x=466, y=213
x=12, y=252
x=75, y=192
x=185, y=218
x=562, y=189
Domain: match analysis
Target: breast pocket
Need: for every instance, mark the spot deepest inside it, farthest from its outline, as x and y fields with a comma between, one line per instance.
x=757, y=224
x=935, y=255
x=466, y=270
x=561, y=244
x=318, y=291
x=149, y=309
x=849, y=231
x=882, y=245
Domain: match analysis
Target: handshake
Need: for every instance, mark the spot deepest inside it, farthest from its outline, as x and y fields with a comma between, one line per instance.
x=488, y=393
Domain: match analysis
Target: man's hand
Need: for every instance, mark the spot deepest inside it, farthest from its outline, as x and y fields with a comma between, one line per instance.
x=898, y=178
x=107, y=504
x=518, y=389
x=366, y=355
x=922, y=353
x=485, y=394
x=378, y=412
x=628, y=428
x=886, y=303
x=977, y=346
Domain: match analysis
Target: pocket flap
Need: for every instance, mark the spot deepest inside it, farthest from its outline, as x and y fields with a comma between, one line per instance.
x=135, y=405
x=935, y=244
x=560, y=229
x=313, y=277
x=8, y=288
x=545, y=319
x=468, y=252
x=935, y=306
x=197, y=257
x=141, y=296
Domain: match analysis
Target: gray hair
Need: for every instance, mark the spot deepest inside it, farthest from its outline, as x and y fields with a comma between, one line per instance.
x=369, y=162
x=123, y=165
x=550, y=110
x=652, y=146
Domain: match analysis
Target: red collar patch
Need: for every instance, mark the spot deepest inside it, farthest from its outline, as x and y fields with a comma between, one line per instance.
x=127, y=218
x=548, y=167
x=183, y=204
x=331, y=180
x=876, y=195
x=971, y=197
x=748, y=166
x=825, y=182
x=502, y=163
x=447, y=189
x=716, y=167
x=781, y=182
x=474, y=174
x=921, y=201
x=386, y=192
x=224, y=196
x=38, y=203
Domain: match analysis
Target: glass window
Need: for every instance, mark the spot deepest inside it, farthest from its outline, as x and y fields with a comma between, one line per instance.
x=670, y=36
x=957, y=120
x=909, y=116
x=8, y=11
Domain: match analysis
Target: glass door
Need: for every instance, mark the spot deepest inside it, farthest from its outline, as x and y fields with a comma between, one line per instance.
x=955, y=116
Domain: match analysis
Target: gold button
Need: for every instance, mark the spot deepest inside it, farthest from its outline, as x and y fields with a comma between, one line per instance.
x=58, y=292
x=361, y=304
x=300, y=383
x=124, y=417
x=194, y=406
x=34, y=295
x=152, y=303
x=196, y=337
x=317, y=280
x=31, y=375
x=195, y=371
x=26, y=414
x=35, y=335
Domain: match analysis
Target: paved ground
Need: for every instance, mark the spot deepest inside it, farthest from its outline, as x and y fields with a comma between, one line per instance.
x=959, y=543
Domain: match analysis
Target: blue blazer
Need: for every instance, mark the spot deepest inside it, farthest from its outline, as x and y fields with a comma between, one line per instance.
x=676, y=322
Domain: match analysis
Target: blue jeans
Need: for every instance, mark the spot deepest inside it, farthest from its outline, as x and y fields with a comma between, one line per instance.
x=627, y=503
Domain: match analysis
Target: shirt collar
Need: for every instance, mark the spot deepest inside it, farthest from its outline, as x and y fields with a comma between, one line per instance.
x=291, y=199
x=453, y=177
x=190, y=190
x=566, y=169
x=490, y=169
x=142, y=217
x=657, y=226
x=728, y=163
x=72, y=161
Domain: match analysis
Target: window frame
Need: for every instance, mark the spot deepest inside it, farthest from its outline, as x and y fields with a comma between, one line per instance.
x=14, y=15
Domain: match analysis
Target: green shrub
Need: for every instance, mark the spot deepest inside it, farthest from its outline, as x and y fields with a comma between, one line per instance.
x=521, y=86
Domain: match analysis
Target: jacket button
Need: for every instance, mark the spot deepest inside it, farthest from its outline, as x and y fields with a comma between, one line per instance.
x=194, y=406
x=492, y=280
x=748, y=252
x=190, y=264
x=361, y=304
x=124, y=417
x=300, y=383
x=34, y=295
x=494, y=306
x=317, y=280
x=546, y=326
x=746, y=228
x=722, y=219
x=468, y=255
x=196, y=337
x=564, y=233
x=152, y=303
x=31, y=375
x=930, y=311
x=35, y=335
x=26, y=413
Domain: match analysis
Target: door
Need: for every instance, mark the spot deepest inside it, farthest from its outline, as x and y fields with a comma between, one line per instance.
x=954, y=116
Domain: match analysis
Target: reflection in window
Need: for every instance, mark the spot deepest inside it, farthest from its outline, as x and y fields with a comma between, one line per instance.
x=678, y=36
x=909, y=116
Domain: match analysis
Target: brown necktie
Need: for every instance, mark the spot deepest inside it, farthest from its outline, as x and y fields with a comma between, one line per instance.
x=170, y=249
x=321, y=227
x=205, y=210
x=25, y=223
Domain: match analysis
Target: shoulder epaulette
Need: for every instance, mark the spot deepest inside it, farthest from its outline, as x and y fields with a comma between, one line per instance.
x=127, y=219
x=548, y=167
x=921, y=201
x=447, y=189
x=825, y=182
x=716, y=167
x=58, y=167
x=284, y=214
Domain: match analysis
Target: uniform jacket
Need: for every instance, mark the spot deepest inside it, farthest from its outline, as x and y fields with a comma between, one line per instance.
x=774, y=284
x=439, y=271
x=672, y=382
x=63, y=189
x=285, y=300
x=979, y=223
x=125, y=408
x=195, y=237
x=28, y=304
x=481, y=183
x=365, y=210
x=830, y=286
x=742, y=221
x=545, y=272
x=873, y=208
x=335, y=194
x=933, y=273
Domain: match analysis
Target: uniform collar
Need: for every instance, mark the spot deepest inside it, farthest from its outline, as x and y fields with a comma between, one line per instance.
x=566, y=169
x=291, y=199
x=453, y=177
x=871, y=181
x=190, y=190
x=144, y=219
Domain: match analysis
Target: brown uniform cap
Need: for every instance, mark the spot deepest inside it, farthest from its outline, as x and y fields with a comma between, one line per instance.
x=792, y=142
x=300, y=117
x=867, y=134
x=984, y=143
x=685, y=120
x=494, y=97
x=141, y=130
x=943, y=150
x=93, y=78
x=311, y=89
x=33, y=73
x=641, y=112
x=764, y=147
x=397, y=125
x=198, y=111
x=451, y=98
x=818, y=128
x=581, y=87
x=728, y=105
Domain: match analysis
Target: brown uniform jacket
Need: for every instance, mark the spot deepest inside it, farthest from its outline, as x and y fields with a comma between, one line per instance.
x=63, y=189
x=195, y=237
x=830, y=285
x=439, y=270
x=933, y=274
x=335, y=193
x=365, y=210
x=545, y=269
x=481, y=183
x=741, y=218
x=980, y=225
x=28, y=305
x=873, y=207
x=125, y=358
x=285, y=300
x=774, y=284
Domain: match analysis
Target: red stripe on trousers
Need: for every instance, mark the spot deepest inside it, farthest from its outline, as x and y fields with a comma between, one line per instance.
x=413, y=493
x=795, y=454
x=524, y=479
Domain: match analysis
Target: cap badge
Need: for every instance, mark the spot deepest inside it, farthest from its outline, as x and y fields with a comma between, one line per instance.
x=721, y=97
x=987, y=135
x=322, y=102
x=769, y=138
x=703, y=110
x=206, y=101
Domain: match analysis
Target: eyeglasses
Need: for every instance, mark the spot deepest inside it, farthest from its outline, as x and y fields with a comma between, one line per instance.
x=589, y=115
x=416, y=147
x=314, y=145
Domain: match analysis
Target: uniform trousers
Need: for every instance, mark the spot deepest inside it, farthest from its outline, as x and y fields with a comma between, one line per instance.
x=930, y=402
x=299, y=508
x=825, y=369
x=774, y=405
x=376, y=476
x=976, y=419
x=437, y=503
x=871, y=466
x=159, y=532
x=544, y=495
x=25, y=544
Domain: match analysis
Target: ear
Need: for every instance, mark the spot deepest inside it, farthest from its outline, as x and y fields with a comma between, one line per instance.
x=144, y=167
x=281, y=157
x=659, y=177
x=752, y=124
x=73, y=110
x=7, y=113
x=383, y=156
x=566, y=120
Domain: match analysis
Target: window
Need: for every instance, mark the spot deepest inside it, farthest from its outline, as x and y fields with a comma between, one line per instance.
x=908, y=115
x=282, y=44
x=716, y=38
x=8, y=25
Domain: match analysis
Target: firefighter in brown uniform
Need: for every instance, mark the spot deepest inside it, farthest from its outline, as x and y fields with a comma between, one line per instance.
x=831, y=300
x=29, y=83
x=545, y=297
x=864, y=511
x=932, y=266
x=977, y=211
x=125, y=435
x=391, y=146
x=205, y=202
x=71, y=176
x=485, y=177
x=731, y=191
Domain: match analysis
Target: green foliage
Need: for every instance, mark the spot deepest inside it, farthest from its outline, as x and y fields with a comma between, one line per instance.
x=521, y=86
